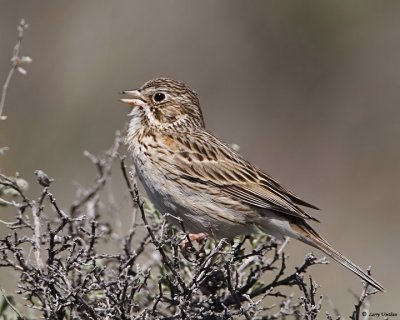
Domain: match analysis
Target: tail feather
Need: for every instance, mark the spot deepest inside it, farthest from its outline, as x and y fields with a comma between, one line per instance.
x=312, y=238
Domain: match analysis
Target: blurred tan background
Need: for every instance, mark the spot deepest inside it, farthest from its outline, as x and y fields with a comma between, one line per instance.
x=310, y=90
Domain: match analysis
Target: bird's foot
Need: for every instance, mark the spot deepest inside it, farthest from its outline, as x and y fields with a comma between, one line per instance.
x=193, y=237
x=187, y=244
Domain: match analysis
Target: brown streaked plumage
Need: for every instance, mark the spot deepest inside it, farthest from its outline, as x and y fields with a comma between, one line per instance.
x=190, y=173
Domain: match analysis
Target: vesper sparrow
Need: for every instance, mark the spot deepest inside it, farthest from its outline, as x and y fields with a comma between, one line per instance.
x=190, y=173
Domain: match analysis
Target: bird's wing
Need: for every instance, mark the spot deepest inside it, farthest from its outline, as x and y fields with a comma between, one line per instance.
x=203, y=158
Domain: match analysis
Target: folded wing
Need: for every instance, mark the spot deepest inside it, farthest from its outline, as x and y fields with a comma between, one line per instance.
x=203, y=159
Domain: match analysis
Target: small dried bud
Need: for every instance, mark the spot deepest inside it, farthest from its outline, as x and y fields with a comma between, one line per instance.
x=58, y=239
x=235, y=147
x=25, y=59
x=43, y=178
x=3, y=150
x=22, y=71
x=22, y=184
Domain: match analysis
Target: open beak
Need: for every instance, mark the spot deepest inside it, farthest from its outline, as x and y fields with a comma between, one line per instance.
x=136, y=99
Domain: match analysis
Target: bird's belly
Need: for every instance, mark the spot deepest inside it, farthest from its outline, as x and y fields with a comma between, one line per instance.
x=198, y=211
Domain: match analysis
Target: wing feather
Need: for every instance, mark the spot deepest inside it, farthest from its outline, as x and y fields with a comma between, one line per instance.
x=203, y=158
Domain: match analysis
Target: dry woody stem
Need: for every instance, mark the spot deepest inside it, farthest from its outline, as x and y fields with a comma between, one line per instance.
x=16, y=62
x=65, y=272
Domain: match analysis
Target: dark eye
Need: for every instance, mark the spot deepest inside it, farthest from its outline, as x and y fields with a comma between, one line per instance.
x=159, y=96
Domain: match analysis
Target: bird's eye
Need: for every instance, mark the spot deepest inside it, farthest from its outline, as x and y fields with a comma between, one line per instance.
x=159, y=96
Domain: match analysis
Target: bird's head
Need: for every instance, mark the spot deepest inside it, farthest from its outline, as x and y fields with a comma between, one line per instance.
x=165, y=104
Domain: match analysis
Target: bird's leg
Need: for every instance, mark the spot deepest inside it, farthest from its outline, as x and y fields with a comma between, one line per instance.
x=193, y=237
x=199, y=237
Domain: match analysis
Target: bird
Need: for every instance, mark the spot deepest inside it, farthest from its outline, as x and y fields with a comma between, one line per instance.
x=193, y=175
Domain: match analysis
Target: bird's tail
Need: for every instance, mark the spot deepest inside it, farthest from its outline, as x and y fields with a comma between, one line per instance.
x=311, y=237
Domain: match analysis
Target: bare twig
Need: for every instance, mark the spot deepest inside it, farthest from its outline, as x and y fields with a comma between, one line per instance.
x=136, y=201
x=16, y=61
x=147, y=275
x=111, y=154
x=362, y=300
x=20, y=316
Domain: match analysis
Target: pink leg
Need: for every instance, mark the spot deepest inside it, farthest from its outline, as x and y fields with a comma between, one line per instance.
x=199, y=237
x=193, y=237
